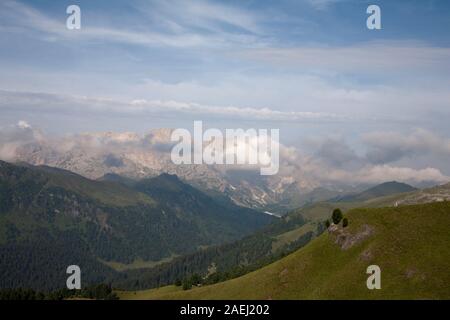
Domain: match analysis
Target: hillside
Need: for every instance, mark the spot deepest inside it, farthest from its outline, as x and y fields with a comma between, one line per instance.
x=228, y=260
x=381, y=190
x=291, y=232
x=51, y=218
x=433, y=194
x=320, y=211
x=409, y=243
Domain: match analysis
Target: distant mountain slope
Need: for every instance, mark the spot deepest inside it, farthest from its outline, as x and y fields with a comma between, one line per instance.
x=62, y=212
x=433, y=194
x=112, y=177
x=173, y=192
x=229, y=260
x=220, y=220
x=381, y=190
x=410, y=244
x=319, y=211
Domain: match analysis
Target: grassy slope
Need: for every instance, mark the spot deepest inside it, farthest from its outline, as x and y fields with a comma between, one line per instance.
x=321, y=211
x=381, y=190
x=292, y=235
x=109, y=193
x=411, y=244
x=148, y=294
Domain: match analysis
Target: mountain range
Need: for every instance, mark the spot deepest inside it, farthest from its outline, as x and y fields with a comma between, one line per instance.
x=61, y=218
x=134, y=156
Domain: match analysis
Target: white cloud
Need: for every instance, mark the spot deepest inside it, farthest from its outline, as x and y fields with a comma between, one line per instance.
x=23, y=124
x=392, y=146
x=149, y=152
x=366, y=58
x=324, y=174
x=383, y=173
x=201, y=15
x=53, y=103
x=332, y=161
x=322, y=4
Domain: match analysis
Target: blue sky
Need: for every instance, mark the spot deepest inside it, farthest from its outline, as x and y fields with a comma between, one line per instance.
x=309, y=67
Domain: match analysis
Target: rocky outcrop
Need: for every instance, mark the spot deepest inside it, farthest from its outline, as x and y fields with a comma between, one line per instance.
x=345, y=239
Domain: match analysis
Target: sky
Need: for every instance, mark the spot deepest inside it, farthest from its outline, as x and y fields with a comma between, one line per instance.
x=309, y=67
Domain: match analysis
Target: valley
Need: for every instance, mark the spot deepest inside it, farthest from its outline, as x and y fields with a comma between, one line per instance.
x=57, y=216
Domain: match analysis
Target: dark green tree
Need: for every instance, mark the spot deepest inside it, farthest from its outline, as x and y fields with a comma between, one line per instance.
x=196, y=279
x=344, y=222
x=337, y=216
x=327, y=224
x=187, y=284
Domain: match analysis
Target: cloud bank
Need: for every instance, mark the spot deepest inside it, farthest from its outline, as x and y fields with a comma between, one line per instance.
x=56, y=103
x=332, y=163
